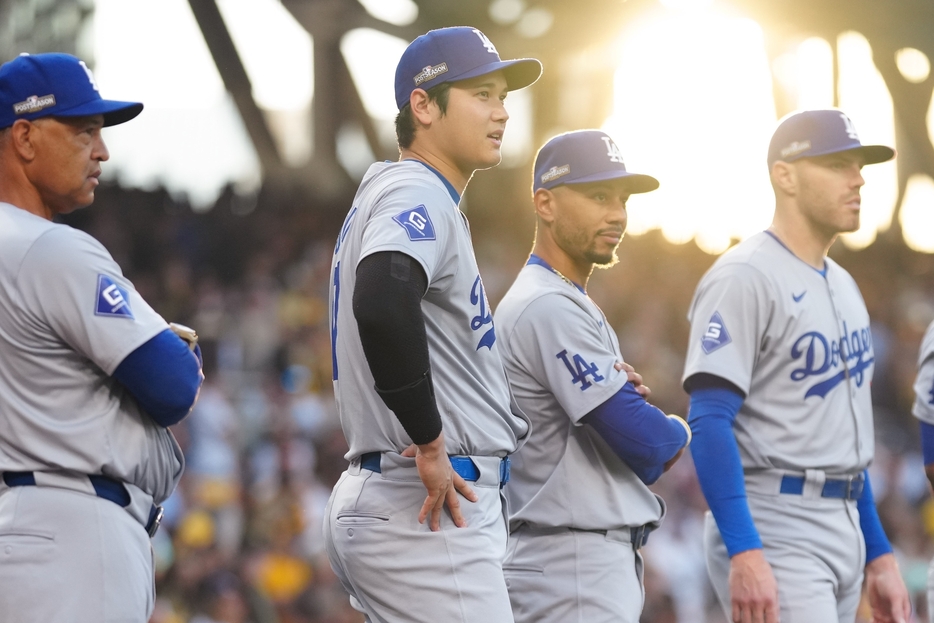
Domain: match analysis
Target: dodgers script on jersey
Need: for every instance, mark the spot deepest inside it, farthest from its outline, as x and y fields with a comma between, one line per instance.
x=798, y=343
x=406, y=206
x=560, y=354
x=64, y=302
x=923, y=408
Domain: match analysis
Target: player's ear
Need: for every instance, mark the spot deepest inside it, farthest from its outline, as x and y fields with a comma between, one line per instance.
x=420, y=104
x=784, y=178
x=544, y=201
x=22, y=137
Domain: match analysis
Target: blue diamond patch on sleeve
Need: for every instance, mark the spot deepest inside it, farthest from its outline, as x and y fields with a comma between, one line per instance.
x=716, y=334
x=416, y=223
x=112, y=300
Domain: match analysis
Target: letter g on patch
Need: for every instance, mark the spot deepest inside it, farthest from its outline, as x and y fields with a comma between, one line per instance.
x=416, y=223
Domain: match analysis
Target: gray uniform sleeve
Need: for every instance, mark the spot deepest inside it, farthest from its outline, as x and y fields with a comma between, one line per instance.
x=923, y=408
x=71, y=286
x=563, y=348
x=729, y=322
x=418, y=221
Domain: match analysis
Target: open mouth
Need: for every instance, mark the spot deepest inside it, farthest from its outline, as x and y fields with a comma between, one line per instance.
x=497, y=137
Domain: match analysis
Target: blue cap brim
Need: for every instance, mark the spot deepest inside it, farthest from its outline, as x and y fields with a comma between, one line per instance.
x=114, y=112
x=872, y=154
x=519, y=73
x=635, y=182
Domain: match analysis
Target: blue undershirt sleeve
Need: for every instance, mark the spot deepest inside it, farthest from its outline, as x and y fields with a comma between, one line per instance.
x=719, y=468
x=927, y=442
x=877, y=543
x=639, y=433
x=164, y=376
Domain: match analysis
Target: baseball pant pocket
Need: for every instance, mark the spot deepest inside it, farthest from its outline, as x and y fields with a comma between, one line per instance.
x=21, y=547
x=361, y=518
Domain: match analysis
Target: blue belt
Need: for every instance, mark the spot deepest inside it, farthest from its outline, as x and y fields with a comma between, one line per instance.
x=462, y=465
x=847, y=489
x=104, y=487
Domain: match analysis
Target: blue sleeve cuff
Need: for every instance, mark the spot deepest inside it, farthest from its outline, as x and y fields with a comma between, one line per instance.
x=164, y=377
x=718, y=465
x=927, y=442
x=638, y=433
x=877, y=543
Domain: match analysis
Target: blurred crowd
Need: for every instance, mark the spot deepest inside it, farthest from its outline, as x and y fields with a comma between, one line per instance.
x=241, y=541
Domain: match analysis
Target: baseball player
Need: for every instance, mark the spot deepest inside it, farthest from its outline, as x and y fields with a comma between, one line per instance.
x=420, y=387
x=579, y=505
x=923, y=409
x=779, y=366
x=90, y=375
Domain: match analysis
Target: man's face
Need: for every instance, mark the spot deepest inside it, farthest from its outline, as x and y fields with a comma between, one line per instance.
x=590, y=220
x=66, y=168
x=828, y=191
x=471, y=131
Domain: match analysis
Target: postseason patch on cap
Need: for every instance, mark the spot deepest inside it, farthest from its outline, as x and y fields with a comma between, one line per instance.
x=416, y=223
x=33, y=103
x=555, y=172
x=112, y=300
x=716, y=334
x=795, y=148
x=430, y=73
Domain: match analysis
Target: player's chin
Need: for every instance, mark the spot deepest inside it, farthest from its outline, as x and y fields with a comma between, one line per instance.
x=491, y=158
x=605, y=259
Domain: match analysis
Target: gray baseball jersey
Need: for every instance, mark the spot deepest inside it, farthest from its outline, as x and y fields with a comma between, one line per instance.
x=798, y=343
x=923, y=408
x=560, y=353
x=406, y=206
x=68, y=318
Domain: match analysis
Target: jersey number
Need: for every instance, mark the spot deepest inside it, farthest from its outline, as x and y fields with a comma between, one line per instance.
x=580, y=370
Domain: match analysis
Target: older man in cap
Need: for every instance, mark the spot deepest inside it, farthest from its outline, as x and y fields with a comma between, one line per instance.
x=90, y=375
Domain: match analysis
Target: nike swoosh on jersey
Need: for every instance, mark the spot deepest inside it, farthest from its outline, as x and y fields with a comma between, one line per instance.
x=798, y=297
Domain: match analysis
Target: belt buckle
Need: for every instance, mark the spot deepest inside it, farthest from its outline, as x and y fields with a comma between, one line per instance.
x=638, y=537
x=854, y=487
x=155, y=518
x=504, y=472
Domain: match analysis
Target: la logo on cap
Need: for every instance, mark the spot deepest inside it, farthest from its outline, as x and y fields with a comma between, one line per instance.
x=90, y=75
x=486, y=42
x=850, y=128
x=612, y=150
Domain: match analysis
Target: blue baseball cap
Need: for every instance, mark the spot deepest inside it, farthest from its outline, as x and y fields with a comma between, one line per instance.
x=585, y=156
x=809, y=133
x=55, y=85
x=457, y=53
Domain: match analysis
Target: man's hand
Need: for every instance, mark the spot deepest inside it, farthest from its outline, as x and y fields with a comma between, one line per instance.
x=888, y=596
x=634, y=377
x=753, y=590
x=441, y=481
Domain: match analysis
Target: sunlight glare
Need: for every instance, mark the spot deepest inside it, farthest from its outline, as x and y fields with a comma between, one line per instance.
x=372, y=57
x=913, y=64
x=865, y=98
x=815, y=74
x=917, y=214
x=190, y=137
x=275, y=50
x=398, y=12
x=694, y=108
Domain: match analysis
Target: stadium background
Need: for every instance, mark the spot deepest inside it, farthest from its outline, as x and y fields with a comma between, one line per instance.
x=241, y=251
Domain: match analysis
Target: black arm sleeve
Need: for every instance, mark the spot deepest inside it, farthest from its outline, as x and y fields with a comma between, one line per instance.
x=387, y=306
x=703, y=380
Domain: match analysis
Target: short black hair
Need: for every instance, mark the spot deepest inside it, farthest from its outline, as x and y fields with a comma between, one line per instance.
x=405, y=123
